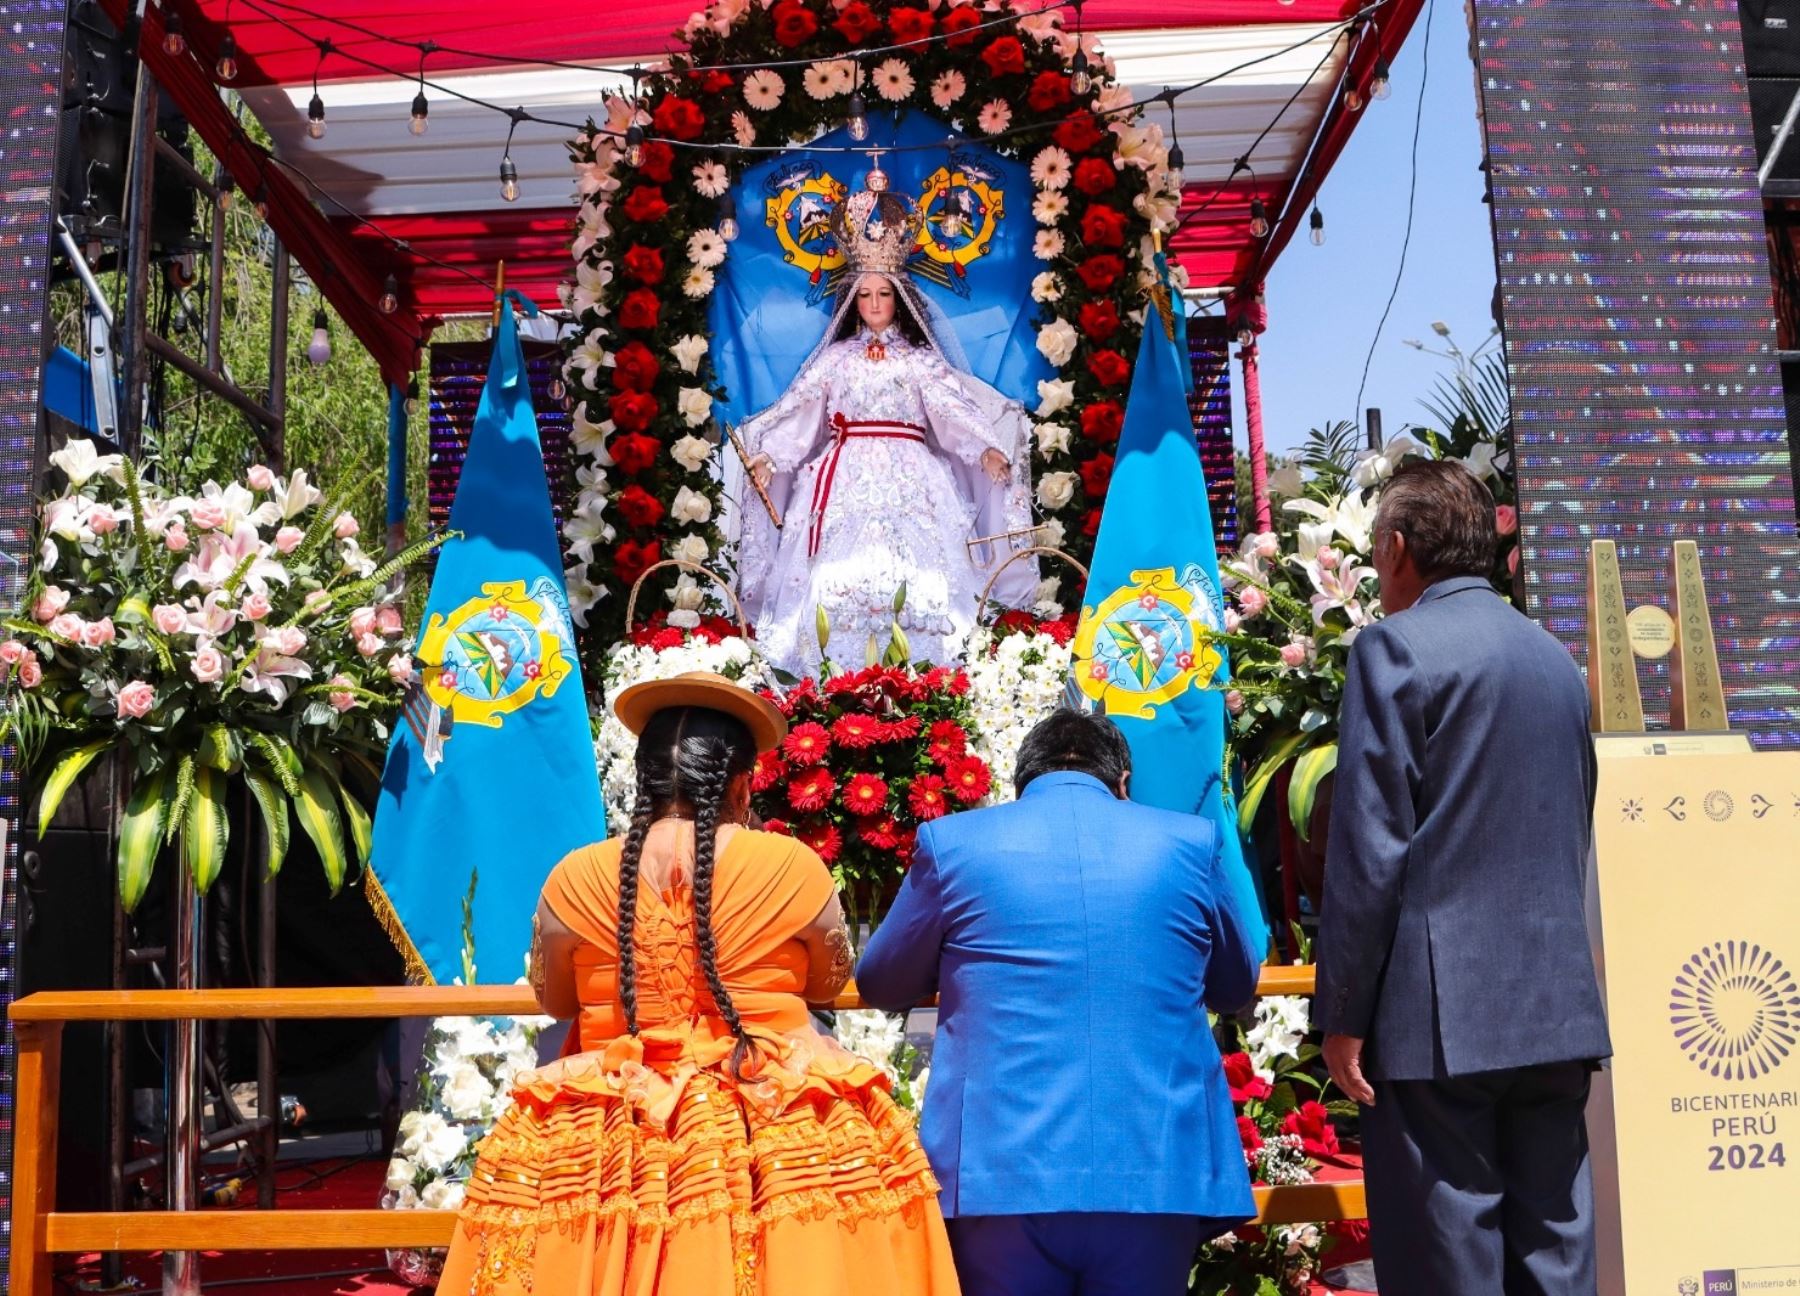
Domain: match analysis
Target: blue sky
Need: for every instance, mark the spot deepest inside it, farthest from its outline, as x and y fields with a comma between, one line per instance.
x=1324, y=302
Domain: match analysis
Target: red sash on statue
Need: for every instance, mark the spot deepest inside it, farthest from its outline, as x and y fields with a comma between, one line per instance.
x=843, y=430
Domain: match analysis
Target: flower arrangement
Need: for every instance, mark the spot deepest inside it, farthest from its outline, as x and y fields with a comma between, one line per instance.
x=1301, y=593
x=1018, y=671
x=1286, y=1130
x=879, y=1038
x=706, y=648
x=869, y=756
x=238, y=634
x=651, y=234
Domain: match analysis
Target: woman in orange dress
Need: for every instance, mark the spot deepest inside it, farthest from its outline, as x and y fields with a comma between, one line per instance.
x=702, y=1138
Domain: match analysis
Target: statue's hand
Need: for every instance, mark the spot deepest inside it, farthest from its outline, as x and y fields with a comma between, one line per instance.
x=762, y=470
x=997, y=466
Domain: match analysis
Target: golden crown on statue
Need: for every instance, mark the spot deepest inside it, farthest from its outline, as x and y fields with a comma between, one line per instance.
x=878, y=230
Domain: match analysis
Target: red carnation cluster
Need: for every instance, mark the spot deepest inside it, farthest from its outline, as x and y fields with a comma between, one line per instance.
x=657, y=633
x=869, y=756
x=1019, y=621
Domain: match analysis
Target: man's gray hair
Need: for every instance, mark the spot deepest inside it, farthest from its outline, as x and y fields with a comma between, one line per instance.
x=1446, y=515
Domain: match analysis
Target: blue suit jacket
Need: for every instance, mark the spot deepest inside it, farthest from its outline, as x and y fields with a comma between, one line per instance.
x=1074, y=939
x=1453, y=937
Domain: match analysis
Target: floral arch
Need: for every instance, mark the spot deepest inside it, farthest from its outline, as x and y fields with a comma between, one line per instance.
x=652, y=230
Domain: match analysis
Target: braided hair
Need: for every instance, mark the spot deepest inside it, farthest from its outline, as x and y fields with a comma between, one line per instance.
x=686, y=758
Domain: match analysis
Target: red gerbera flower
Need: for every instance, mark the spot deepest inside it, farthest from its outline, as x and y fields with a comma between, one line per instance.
x=901, y=729
x=856, y=730
x=781, y=826
x=811, y=790
x=948, y=741
x=882, y=833
x=969, y=778
x=959, y=683
x=824, y=839
x=927, y=798
x=770, y=770
x=806, y=744
x=866, y=794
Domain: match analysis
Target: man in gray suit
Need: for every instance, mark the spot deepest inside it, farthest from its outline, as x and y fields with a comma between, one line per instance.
x=1456, y=987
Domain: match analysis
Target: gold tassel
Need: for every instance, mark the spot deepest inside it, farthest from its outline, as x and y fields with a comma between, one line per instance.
x=416, y=971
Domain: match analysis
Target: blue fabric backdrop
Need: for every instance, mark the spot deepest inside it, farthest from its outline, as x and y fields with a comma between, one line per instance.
x=767, y=313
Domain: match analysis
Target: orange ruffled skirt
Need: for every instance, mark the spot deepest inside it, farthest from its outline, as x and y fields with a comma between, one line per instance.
x=647, y=1168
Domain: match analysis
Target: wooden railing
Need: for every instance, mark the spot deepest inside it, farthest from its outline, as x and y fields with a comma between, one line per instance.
x=40, y=1231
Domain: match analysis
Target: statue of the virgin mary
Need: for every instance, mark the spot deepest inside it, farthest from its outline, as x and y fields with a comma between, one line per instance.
x=887, y=459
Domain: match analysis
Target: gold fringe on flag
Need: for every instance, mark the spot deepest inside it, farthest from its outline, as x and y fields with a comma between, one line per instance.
x=416, y=970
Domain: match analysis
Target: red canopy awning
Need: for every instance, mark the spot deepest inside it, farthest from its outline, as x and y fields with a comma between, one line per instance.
x=370, y=199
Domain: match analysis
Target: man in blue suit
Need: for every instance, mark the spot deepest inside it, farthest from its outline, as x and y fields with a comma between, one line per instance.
x=1456, y=985
x=1077, y=1116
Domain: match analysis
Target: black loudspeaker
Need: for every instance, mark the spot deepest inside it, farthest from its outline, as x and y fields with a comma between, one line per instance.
x=1771, y=32
x=99, y=77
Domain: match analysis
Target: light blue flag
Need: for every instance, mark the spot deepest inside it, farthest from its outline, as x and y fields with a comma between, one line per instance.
x=493, y=768
x=1142, y=653
x=771, y=302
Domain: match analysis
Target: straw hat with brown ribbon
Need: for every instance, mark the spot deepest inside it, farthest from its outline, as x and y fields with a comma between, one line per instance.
x=637, y=704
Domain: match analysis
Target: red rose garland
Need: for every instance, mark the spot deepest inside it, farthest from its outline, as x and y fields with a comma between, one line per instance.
x=647, y=249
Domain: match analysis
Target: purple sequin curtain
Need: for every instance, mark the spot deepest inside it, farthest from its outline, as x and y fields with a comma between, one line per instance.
x=1209, y=354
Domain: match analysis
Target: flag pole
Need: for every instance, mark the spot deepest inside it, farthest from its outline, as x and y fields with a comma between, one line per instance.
x=499, y=292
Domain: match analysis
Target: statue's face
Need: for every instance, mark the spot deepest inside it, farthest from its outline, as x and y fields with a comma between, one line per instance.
x=875, y=301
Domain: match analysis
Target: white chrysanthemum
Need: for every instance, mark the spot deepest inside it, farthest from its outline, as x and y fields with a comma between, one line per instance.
x=1011, y=687
x=705, y=248
x=711, y=179
x=893, y=81
x=688, y=351
x=1049, y=207
x=741, y=129
x=1051, y=168
x=695, y=405
x=763, y=89
x=698, y=282
x=1056, y=342
x=1046, y=287
x=948, y=88
x=996, y=116
x=1056, y=489
x=1048, y=245
x=691, y=452
x=1054, y=396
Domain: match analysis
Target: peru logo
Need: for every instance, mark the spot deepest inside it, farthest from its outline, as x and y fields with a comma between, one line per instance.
x=1735, y=1010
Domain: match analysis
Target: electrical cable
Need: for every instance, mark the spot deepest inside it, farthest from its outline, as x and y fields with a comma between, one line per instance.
x=1412, y=192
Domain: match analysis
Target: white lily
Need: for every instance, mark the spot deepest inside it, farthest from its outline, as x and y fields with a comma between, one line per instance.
x=294, y=496
x=591, y=278
x=1351, y=516
x=81, y=462
x=1373, y=467
x=1287, y=482
x=1481, y=460
x=219, y=556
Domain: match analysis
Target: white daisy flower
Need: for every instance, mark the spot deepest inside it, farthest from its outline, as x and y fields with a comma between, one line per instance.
x=893, y=81
x=996, y=116
x=763, y=89
x=711, y=179
x=948, y=88
x=1049, y=207
x=1049, y=245
x=1050, y=169
x=698, y=282
x=742, y=130
x=705, y=248
x=1046, y=288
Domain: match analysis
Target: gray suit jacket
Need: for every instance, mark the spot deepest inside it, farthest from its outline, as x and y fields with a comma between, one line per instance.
x=1453, y=936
